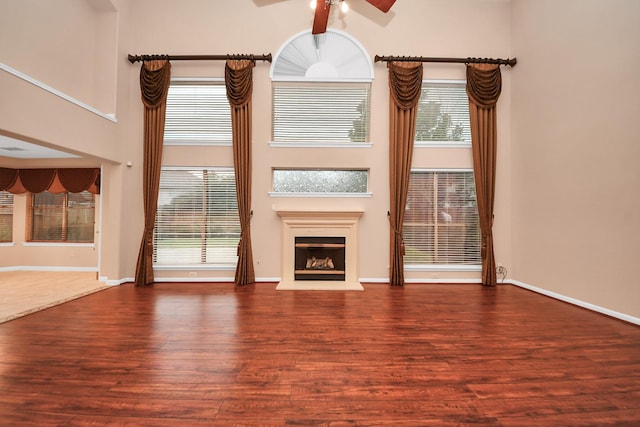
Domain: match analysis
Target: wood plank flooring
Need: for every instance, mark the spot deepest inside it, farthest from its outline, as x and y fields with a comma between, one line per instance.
x=196, y=354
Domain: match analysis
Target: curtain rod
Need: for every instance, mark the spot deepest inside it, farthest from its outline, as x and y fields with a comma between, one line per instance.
x=136, y=58
x=499, y=61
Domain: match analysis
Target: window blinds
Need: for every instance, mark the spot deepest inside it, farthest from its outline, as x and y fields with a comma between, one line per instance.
x=197, y=218
x=62, y=217
x=441, y=223
x=321, y=112
x=6, y=216
x=198, y=113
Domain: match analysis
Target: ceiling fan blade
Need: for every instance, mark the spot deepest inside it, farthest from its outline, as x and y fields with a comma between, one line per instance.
x=383, y=5
x=321, y=17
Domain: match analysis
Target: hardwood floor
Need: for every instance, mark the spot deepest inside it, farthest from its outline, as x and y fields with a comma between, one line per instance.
x=423, y=355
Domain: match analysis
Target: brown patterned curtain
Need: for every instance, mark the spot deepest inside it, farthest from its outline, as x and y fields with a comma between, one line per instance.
x=484, y=83
x=8, y=178
x=239, y=81
x=73, y=180
x=405, y=84
x=154, y=84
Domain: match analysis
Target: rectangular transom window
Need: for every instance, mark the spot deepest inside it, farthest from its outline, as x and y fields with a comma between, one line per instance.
x=6, y=216
x=441, y=225
x=320, y=181
x=321, y=113
x=63, y=217
x=443, y=113
x=197, y=219
x=198, y=113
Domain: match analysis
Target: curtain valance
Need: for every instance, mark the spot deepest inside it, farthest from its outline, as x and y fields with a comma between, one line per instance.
x=405, y=82
x=59, y=180
x=484, y=84
x=238, y=76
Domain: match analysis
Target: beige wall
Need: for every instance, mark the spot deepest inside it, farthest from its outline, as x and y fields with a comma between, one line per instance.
x=420, y=28
x=575, y=151
x=548, y=156
x=68, y=44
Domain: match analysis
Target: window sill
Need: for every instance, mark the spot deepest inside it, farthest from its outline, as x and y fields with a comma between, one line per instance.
x=442, y=144
x=320, y=144
x=442, y=267
x=60, y=244
x=194, y=267
x=198, y=144
x=7, y=244
x=320, y=195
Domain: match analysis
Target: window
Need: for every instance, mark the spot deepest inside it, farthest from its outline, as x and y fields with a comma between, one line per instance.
x=443, y=113
x=441, y=225
x=6, y=216
x=321, y=91
x=321, y=113
x=197, y=219
x=198, y=113
x=63, y=217
x=320, y=181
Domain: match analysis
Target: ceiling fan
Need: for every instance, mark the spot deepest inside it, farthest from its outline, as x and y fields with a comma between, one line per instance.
x=321, y=16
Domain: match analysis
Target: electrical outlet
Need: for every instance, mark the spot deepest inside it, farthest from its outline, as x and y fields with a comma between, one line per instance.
x=193, y=274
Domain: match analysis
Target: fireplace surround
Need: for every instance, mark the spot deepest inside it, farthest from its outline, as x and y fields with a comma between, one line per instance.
x=326, y=245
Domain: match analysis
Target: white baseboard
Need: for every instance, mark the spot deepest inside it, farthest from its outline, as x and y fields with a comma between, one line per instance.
x=115, y=282
x=577, y=302
x=192, y=279
x=374, y=280
x=48, y=268
x=445, y=281
x=211, y=279
x=385, y=280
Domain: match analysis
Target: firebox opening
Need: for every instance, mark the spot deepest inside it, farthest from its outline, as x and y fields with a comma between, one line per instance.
x=319, y=258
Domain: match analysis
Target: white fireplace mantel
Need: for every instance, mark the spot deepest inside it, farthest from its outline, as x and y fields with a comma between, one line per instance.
x=298, y=223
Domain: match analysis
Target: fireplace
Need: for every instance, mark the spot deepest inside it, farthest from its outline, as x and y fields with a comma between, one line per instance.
x=319, y=250
x=319, y=258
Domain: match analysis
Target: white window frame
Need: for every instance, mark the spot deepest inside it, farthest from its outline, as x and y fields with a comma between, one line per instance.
x=64, y=211
x=9, y=210
x=443, y=267
x=220, y=266
x=220, y=142
x=311, y=86
x=443, y=144
x=367, y=193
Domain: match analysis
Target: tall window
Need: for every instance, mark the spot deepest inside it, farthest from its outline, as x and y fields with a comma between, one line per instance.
x=197, y=218
x=321, y=113
x=443, y=113
x=63, y=217
x=198, y=113
x=441, y=225
x=6, y=216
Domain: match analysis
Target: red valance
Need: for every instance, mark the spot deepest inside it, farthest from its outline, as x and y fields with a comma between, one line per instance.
x=73, y=180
